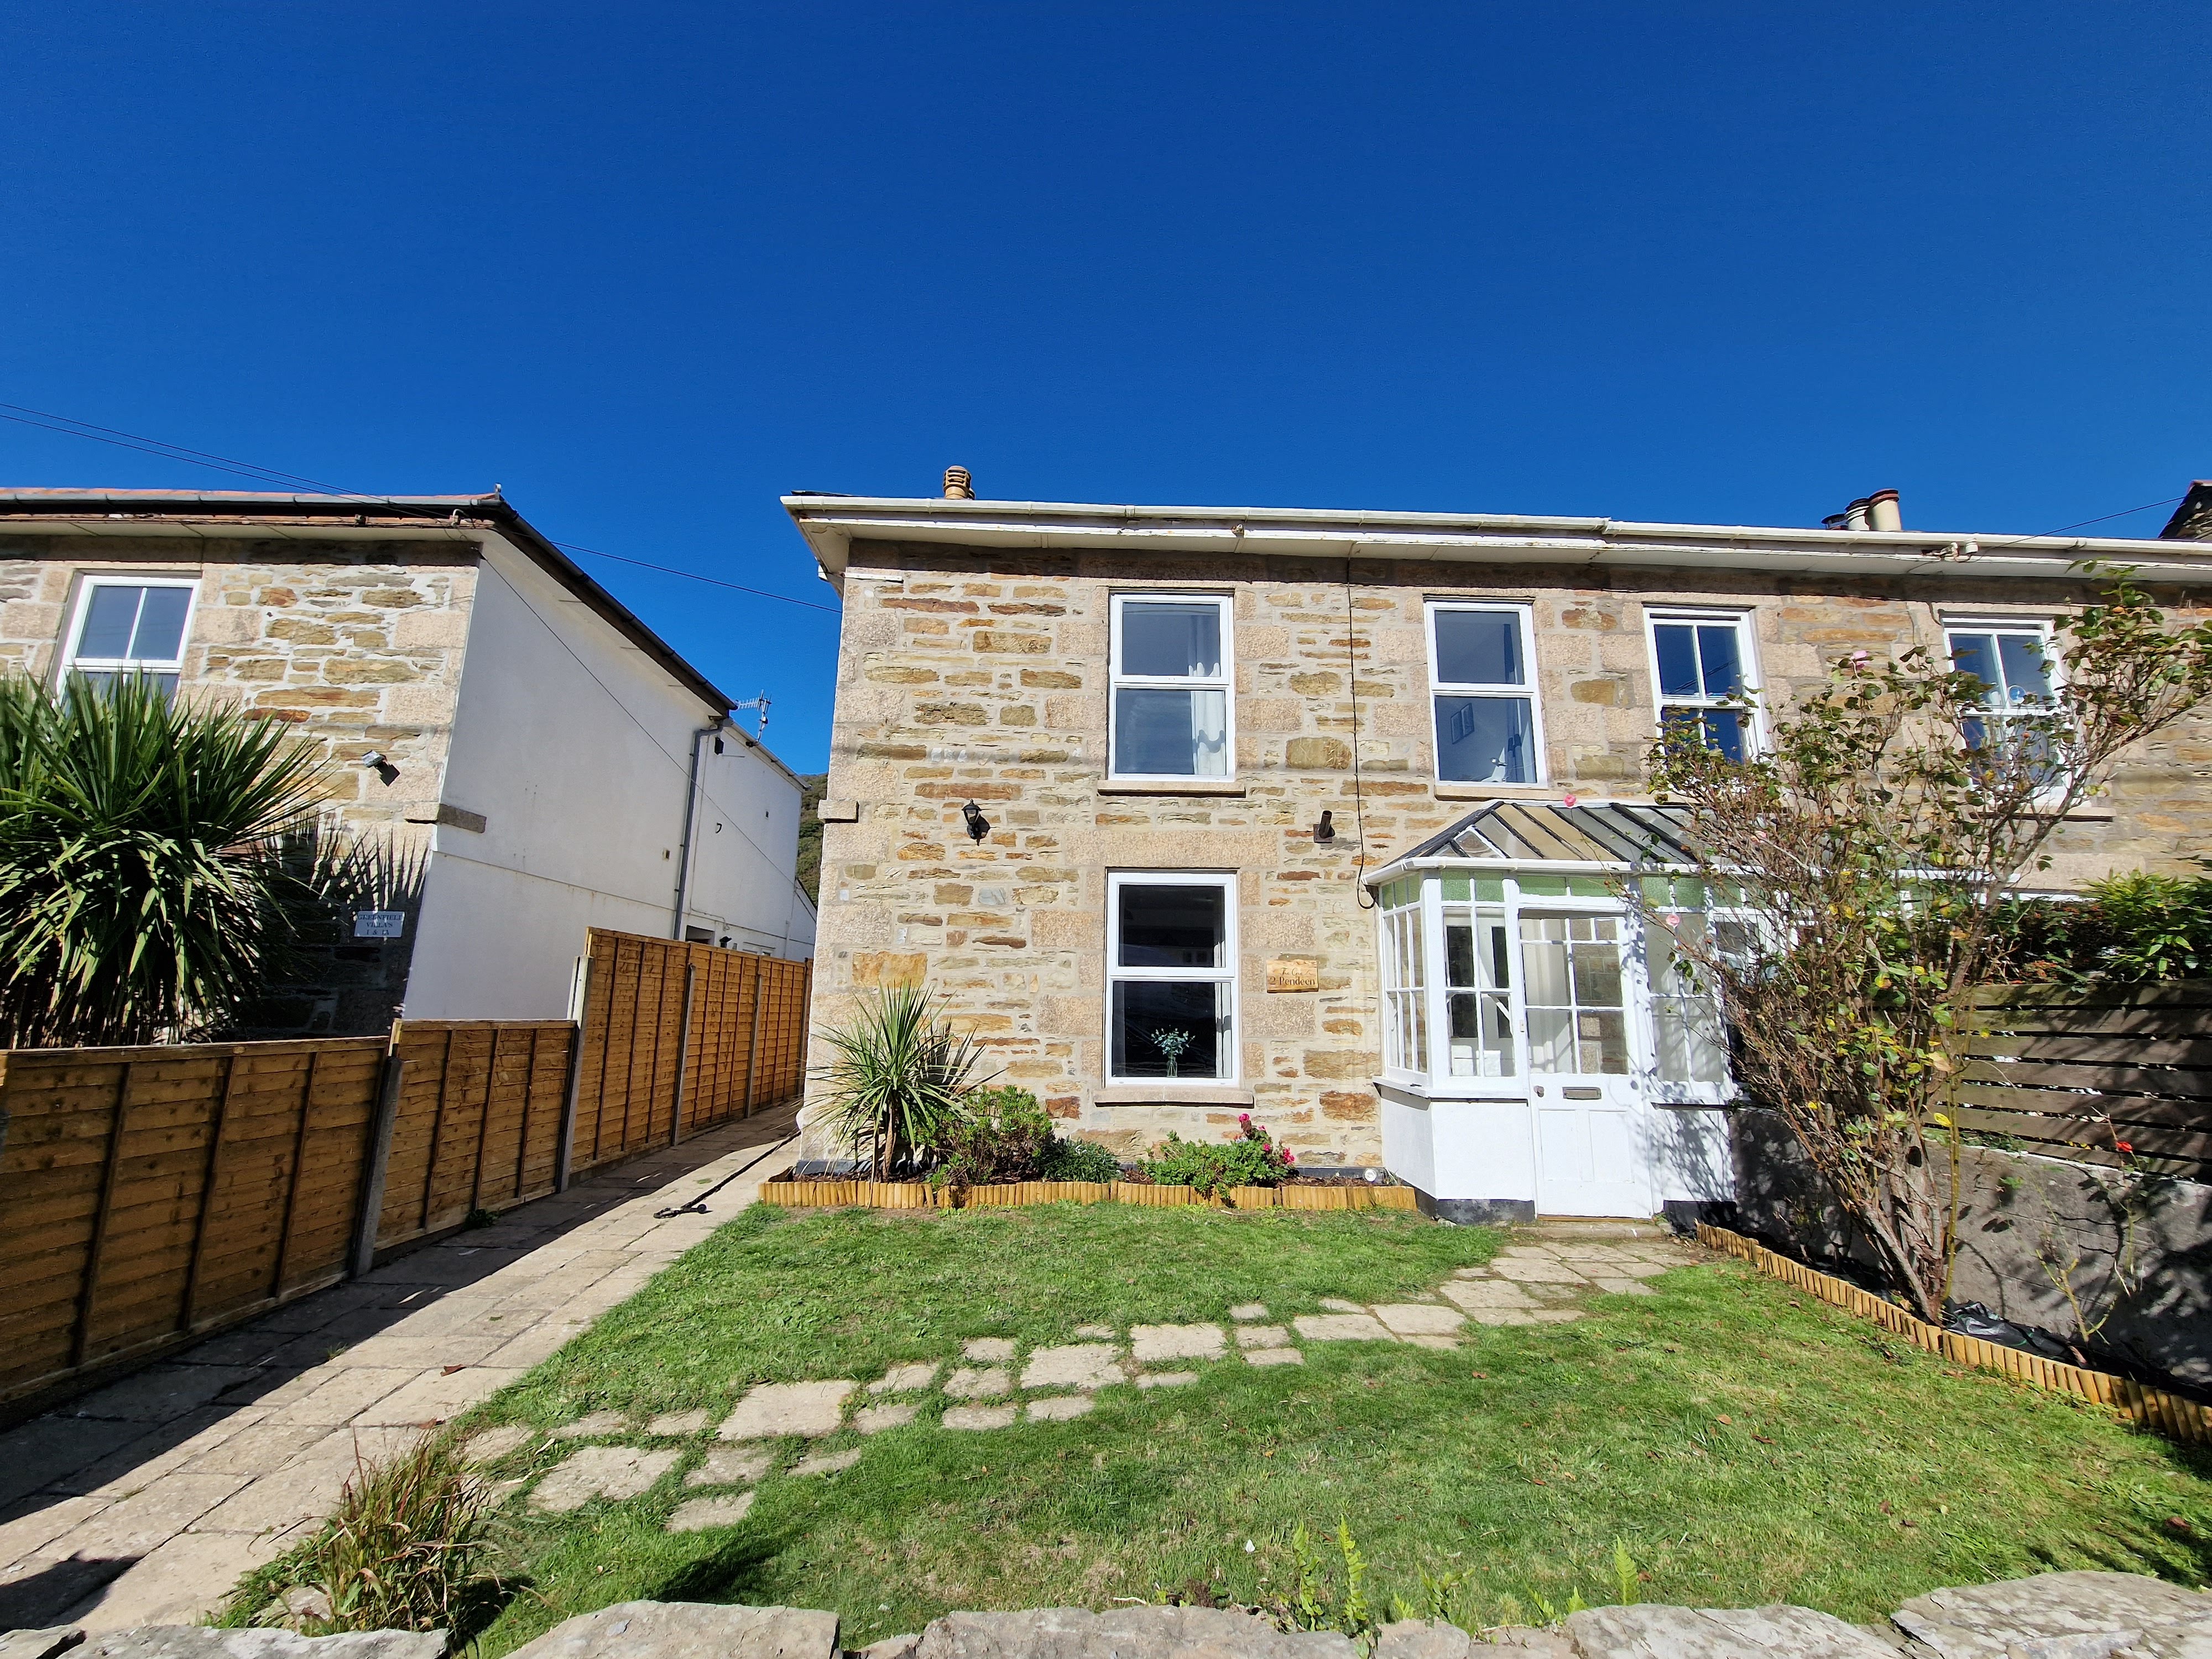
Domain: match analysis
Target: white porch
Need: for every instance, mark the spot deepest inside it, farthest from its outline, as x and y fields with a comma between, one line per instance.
x=1546, y=1052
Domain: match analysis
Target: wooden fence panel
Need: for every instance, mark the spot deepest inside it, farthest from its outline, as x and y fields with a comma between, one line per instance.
x=679, y=1036
x=149, y=1195
x=479, y=1120
x=2079, y=1074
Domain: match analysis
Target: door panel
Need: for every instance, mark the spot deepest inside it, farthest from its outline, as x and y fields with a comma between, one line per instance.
x=1592, y=1156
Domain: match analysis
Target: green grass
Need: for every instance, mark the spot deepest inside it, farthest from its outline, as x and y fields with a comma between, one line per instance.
x=1747, y=1444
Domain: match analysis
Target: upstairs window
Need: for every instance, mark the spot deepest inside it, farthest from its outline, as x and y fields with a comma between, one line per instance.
x=1479, y=681
x=1171, y=977
x=2015, y=663
x=1699, y=663
x=1170, y=713
x=129, y=626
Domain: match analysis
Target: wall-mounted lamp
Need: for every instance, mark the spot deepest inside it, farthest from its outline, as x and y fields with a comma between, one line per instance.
x=1325, y=831
x=978, y=825
x=373, y=761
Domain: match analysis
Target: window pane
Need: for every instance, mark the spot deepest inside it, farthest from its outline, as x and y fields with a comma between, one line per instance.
x=1676, y=646
x=1183, y=734
x=1597, y=976
x=1478, y=648
x=1723, y=729
x=162, y=625
x=2027, y=674
x=1551, y=1042
x=108, y=621
x=1976, y=654
x=1485, y=740
x=1170, y=1029
x=1174, y=927
x=1723, y=663
x=1601, y=1043
x=1176, y=640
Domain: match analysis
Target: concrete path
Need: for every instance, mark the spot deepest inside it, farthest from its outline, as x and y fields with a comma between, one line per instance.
x=141, y=1503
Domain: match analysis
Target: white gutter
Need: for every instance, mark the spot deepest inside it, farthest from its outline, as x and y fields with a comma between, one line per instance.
x=832, y=523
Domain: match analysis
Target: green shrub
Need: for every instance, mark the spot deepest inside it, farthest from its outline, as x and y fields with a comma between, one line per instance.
x=2125, y=927
x=1252, y=1159
x=1003, y=1135
x=897, y=1082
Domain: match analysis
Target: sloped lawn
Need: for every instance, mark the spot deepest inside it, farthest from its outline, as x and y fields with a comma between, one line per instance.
x=1746, y=1446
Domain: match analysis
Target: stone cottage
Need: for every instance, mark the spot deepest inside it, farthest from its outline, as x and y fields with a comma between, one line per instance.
x=1189, y=813
x=529, y=757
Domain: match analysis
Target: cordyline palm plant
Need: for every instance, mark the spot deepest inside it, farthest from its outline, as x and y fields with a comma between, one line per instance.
x=898, y=1079
x=1864, y=871
x=143, y=891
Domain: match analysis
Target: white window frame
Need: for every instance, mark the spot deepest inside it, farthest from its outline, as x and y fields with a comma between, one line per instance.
x=1525, y=621
x=81, y=612
x=1747, y=651
x=2045, y=632
x=1225, y=880
x=1117, y=682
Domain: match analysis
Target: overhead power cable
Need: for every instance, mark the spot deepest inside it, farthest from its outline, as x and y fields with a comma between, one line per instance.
x=69, y=427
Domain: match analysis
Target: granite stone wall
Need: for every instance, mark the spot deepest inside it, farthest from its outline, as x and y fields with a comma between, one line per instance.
x=981, y=674
x=358, y=647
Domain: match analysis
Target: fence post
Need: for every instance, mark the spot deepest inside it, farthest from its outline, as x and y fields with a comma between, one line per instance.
x=752, y=1052
x=566, y=1132
x=366, y=1223
x=82, y=1335
x=682, y=1054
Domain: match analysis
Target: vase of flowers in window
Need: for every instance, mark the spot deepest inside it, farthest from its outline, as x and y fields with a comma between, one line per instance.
x=1170, y=1043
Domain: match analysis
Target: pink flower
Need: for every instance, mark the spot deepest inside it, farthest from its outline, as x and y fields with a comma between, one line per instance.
x=1244, y=1117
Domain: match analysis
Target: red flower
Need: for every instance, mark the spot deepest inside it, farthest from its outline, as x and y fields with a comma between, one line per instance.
x=2123, y=1146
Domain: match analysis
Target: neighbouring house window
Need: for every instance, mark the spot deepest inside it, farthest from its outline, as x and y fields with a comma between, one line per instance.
x=1171, y=977
x=1701, y=662
x=2015, y=662
x=1480, y=682
x=1405, y=978
x=1170, y=713
x=129, y=626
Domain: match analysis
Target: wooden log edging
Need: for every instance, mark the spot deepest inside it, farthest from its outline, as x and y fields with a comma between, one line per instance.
x=921, y=1196
x=2183, y=1420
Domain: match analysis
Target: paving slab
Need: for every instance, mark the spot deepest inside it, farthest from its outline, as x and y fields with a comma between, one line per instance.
x=1249, y=1310
x=731, y=1466
x=698, y=1514
x=595, y=1425
x=1059, y=1408
x=1341, y=1327
x=340, y=1394
x=1801, y=1632
x=436, y=1396
x=1166, y=1379
x=1624, y=1288
x=492, y=1444
x=162, y=1510
x=1149, y=1344
x=978, y=1417
x=1337, y=1304
x=1263, y=1336
x=1418, y=1318
x=1073, y=1365
x=49, y=1448
x=1145, y=1632
x=612, y=1472
x=905, y=1379
x=675, y=1425
x=772, y=1410
x=1275, y=1357
x=688, y=1630
x=893, y=1414
x=1418, y=1638
x=1471, y=1293
x=988, y=1350
x=1539, y=1271
x=179, y=1582
x=826, y=1463
x=974, y=1383
x=2055, y=1615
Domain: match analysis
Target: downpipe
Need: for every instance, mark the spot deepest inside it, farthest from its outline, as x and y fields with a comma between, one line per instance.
x=691, y=824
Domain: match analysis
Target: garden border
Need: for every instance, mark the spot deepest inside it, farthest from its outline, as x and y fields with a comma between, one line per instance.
x=921, y=1196
x=2183, y=1420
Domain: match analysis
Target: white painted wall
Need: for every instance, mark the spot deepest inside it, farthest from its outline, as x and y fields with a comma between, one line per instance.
x=575, y=747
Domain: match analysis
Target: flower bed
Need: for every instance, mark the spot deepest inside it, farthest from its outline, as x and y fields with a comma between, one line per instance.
x=921, y=1196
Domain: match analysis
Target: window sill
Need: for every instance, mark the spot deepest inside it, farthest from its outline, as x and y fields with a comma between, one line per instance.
x=1501, y=1091
x=1170, y=786
x=1446, y=791
x=1172, y=1092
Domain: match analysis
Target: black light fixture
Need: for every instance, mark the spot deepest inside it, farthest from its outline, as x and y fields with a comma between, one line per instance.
x=1325, y=831
x=978, y=825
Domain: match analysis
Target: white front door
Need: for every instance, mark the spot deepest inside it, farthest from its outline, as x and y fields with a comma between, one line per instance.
x=1592, y=1141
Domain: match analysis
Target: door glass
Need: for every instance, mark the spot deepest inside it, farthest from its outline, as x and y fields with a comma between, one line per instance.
x=1577, y=1017
x=1478, y=985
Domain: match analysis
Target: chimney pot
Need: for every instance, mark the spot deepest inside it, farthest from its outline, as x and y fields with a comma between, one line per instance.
x=1855, y=515
x=1882, y=511
x=958, y=486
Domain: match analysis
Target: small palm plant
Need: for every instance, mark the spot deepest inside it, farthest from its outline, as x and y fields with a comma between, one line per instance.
x=143, y=891
x=897, y=1082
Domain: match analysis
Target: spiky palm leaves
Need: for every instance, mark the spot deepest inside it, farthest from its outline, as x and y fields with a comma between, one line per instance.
x=898, y=1079
x=142, y=890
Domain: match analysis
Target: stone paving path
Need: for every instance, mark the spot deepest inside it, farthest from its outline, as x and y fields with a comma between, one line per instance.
x=781, y=1428
x=140, y=1504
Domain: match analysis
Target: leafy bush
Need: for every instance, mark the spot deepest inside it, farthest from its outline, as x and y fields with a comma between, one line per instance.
x=898, y=1081
x=2126, y=927
x=1003, y=1135
x=409, y=1548
x=1252, y=1159
x=145, y=886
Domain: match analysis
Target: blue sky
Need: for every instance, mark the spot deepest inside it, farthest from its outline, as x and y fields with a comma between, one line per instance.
x=649, y=266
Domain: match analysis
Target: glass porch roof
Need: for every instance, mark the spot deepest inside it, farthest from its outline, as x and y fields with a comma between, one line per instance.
x=1541, y=831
